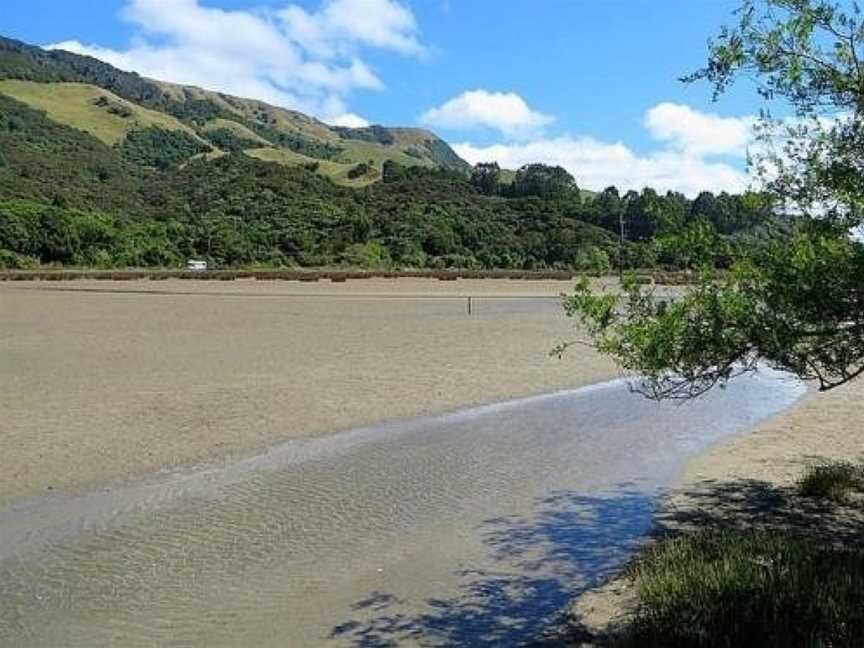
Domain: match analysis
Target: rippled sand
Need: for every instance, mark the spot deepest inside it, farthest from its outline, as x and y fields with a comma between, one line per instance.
x=467, y=529
x=104, y=380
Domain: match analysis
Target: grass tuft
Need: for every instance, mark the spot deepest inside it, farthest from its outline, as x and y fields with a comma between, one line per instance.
x=835, y=481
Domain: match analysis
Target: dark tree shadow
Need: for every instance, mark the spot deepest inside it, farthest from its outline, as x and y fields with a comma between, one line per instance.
x=757, y=505
x=571, y=543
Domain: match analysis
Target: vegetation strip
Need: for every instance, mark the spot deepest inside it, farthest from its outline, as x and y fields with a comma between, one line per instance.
x=337, y=276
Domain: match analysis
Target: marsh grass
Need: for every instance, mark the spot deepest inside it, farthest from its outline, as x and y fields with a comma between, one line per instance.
x=733, y=588
x=835, y=481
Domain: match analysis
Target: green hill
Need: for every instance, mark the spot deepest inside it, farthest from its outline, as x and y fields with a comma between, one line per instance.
x=89, y=108
x=68, y=197
x=84, y=93
x=100, y=167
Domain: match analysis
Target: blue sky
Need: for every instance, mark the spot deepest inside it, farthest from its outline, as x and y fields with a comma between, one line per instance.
x=592, y=85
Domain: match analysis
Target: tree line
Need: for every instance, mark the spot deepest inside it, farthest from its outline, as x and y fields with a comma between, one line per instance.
x=67, y=198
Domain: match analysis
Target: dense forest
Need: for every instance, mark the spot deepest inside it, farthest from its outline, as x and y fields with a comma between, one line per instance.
x=160, y=197
x=67, y=198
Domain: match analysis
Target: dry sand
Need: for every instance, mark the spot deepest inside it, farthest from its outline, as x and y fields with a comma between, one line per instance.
x=749, y=482
x=102, y=380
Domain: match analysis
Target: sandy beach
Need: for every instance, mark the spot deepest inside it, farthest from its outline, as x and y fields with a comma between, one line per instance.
x=103, y=380
x=748, y=482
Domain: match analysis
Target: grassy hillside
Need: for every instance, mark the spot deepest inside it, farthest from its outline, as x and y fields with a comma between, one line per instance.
x=111, y=119
x=340, y=173
x=224, y=121
x=359, y=151
x=113, y=104
x=89, y=108
x=235, y=128
x=68, y=197
x=43, y=160
x=248, y=110
x=406, y=146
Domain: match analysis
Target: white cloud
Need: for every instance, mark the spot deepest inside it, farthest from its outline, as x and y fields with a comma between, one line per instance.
x=596, y=165
x=349, y=120
x=683, y=162
x=506, y=112
x=377, y=23
x=699, y=133
x=291, y=57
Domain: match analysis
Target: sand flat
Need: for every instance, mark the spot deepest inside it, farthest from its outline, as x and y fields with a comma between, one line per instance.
x=100, y=380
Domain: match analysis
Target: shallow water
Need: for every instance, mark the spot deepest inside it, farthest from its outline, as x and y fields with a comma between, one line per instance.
x=469, y=528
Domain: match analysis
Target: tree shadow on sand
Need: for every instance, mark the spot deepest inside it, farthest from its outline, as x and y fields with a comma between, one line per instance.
x=756, y=505
x=572, y=541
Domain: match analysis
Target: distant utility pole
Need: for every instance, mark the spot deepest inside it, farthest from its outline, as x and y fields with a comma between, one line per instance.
x=621, y=245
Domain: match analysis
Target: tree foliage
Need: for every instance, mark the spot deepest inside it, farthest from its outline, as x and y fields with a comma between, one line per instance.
x=543, y=181
x=486, y=178
x=227, y=140
x=793, y=298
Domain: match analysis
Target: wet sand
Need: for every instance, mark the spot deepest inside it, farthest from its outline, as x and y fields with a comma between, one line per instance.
x=824, y=427
x=821, y=427
x=472, y=528
x=102, y=380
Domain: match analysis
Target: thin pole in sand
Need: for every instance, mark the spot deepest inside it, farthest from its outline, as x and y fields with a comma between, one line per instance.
x=469, y=305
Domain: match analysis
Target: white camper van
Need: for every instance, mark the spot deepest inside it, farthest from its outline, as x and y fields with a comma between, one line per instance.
x=196, y=265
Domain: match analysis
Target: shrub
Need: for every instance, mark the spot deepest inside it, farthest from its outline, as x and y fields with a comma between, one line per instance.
x=834, y=481
x=366, y=255
x=374, y=133
x=114, y=107
x=15, y=261
x=749, y=589
x=228, y=140
x=358, y=171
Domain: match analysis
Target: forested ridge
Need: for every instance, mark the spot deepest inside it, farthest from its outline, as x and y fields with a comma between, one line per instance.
x=162, y=196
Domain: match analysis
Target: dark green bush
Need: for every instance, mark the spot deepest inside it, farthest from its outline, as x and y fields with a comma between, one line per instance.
x=359, y=170
x=161, y=149
x=227, y=140
x=14, y=261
